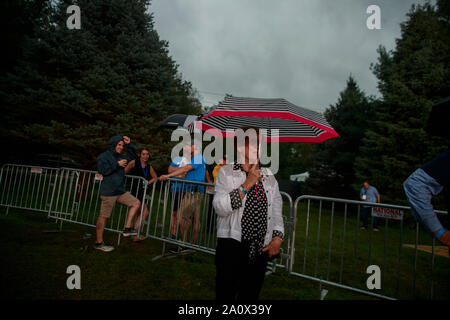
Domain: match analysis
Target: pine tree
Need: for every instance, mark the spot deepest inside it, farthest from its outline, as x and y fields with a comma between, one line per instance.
x=333, y=172
x=76, y=88
x=411, y=78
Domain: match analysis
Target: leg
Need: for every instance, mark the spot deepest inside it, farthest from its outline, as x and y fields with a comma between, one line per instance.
x=196, y=209
x=138, y=215
x=100, y=227
x=105, y=212
x=184, y=222
x=173, y=223
x=227, y=265
x=364, y=216
x=254, y=278
x=133, y=204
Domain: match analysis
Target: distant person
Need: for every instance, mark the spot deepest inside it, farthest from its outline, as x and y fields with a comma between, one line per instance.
x=141, y=168
x=176, y=188
x=190, y=205
x=111, y=165
x=421, y=186
x=369, y=193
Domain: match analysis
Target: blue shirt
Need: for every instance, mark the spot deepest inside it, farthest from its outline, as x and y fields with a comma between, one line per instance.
x=177, y=162
x=371, y=194
x=197, y=173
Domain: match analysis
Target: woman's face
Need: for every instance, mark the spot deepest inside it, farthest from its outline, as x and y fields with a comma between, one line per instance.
x=248, y=153
x=144, y=155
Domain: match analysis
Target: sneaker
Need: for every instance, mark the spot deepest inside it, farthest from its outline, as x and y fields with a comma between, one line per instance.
x=376, y=229
x=129, y=232
x=172, y=236
x=363, y=228
x=103, y=247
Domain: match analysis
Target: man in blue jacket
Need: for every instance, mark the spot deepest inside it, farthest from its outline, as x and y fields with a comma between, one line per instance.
x=111, y=164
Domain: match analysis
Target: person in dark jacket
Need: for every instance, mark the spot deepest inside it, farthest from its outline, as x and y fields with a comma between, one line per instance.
x=111, y=165
x=421, y=186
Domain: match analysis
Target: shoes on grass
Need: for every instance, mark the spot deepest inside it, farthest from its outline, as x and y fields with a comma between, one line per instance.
x=103, y=247
x=363, y=228
x=139, y=239
x=376, y=229
x=129, y=232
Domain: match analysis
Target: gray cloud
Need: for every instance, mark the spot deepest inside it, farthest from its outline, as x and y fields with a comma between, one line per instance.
x=301, y=50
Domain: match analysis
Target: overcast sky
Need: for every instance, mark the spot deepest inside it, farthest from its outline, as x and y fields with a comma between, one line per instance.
x=300, y=50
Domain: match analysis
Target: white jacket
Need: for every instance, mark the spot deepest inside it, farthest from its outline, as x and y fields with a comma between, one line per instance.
x=229, y=220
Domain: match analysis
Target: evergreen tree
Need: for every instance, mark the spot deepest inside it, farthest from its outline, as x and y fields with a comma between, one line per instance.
x=333, y=171
x=411, y=78
x=76, y=88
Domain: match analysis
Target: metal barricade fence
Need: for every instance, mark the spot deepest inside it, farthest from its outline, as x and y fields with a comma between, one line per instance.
x=72, y=195
x=27, y=187
x=329, y=247
x=185, y=217
x=77, y=199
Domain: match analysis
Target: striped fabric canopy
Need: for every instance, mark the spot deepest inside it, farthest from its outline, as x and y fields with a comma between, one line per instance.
x=295, y=124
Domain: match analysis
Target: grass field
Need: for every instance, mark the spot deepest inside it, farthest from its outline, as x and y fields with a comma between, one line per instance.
x=35, y=262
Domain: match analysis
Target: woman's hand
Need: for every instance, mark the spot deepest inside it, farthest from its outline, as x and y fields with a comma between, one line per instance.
x=163, y=177
x=273, y=247
x=254, y=174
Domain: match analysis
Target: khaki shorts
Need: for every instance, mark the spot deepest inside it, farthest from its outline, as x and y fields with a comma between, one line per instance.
x=108, y=203
x=190, y=206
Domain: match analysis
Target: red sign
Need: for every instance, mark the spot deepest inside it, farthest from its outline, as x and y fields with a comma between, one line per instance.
x=36, y=170
x=98, y=177
x=387, y=213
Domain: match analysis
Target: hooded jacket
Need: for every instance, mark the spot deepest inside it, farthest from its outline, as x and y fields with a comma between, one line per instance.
x=113, y=183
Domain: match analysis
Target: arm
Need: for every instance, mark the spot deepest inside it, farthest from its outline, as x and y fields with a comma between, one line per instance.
x=273, y=247
x=208, y=177
x=222, y=200
x=171, y=169
x=176, y=172
x=131, y=152
x=130, y=166
x=106, y=167
x=378, y=196
x=153, y=174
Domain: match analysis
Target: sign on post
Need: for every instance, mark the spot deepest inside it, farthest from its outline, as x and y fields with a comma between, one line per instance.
x=387, y=213
x=36, y=170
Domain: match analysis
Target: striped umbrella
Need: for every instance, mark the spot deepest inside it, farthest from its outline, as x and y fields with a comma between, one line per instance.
x=295, y=124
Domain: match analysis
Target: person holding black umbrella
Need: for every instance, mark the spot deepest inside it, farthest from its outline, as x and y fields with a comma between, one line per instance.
x=250, y=226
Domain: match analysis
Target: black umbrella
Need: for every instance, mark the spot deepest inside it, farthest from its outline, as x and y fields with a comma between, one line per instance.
x=178, y=121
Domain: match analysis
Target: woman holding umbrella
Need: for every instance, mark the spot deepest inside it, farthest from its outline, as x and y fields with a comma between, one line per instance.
x=250, y=227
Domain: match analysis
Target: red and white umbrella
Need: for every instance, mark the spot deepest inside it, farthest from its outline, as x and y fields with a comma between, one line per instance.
x=294, y=123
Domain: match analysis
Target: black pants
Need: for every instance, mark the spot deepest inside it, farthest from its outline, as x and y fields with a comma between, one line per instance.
x=236, y=276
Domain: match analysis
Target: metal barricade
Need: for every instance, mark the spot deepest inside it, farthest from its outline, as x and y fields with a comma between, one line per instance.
x=185, y=217
x=330, y=247
x=77, y=199
x=27, y=187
